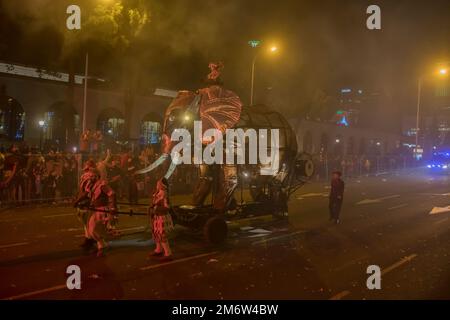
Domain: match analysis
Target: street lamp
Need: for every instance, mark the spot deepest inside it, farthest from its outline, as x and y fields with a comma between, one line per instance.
x=85, y=84
x=272, y=49
x=41, y=126
x=86, y=75
x=441, y=72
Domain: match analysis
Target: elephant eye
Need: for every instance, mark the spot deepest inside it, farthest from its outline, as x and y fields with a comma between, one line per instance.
x=171, y=118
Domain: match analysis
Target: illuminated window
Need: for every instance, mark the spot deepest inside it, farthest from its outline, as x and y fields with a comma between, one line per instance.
x=112, y=124
x=150, y=132
x=61, y=125
x=150, y=129
x=12, y=119
x=53, y=124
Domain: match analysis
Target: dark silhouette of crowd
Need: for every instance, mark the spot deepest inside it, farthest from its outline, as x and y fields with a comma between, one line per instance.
x=29, y=176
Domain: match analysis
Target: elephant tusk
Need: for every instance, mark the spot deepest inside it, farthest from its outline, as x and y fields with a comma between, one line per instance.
x=154, y=165
x=176, y=160
x=171, y=169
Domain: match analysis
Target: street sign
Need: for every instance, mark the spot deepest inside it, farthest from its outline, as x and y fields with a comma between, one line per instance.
x=254, y=43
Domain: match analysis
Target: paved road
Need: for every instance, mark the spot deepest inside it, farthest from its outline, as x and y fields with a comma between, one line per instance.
x=385, y=222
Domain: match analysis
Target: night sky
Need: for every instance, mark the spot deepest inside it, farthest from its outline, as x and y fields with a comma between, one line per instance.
x=323, y=46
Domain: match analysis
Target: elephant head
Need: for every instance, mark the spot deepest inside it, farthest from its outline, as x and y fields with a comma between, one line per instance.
x=214, y=106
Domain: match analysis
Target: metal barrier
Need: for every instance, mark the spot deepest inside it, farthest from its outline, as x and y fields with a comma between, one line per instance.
x=356, y=166
x=27, y=178
x=46, y=179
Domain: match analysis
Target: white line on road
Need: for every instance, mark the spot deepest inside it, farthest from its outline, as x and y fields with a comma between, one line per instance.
x=33, y=293
x=310, y=195
x=60, y=215
x=440, y=221
x=340, y=295
x=345, y=293
x=398, y=207
x=132, y=228
x=71, y=229
x=14, y=245
x=389, y=197
x=119, y=230
x=277, y=238
x=154, y=266
x=398, y=264
x=377, y=200
x=437, y=210
x=60, y=287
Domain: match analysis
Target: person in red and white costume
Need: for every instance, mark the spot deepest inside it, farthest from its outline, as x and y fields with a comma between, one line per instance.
x=161, y=220
x=103, y=203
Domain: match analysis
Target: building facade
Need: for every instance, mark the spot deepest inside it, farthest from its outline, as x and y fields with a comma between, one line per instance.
x=41, y=107
x=328, y=138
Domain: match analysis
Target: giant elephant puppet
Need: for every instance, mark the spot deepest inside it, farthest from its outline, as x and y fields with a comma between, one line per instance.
x=217, y=108
x=221, y=109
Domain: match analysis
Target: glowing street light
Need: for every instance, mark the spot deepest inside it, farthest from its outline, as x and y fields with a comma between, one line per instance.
x=41, y=126
x=271, y=50
x=254, y=43
x=443, y=71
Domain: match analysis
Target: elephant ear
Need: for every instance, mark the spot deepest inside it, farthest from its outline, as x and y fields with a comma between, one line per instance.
x=179, y=104
x=219, y=108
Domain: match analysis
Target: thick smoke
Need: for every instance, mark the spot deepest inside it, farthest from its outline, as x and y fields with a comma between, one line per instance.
x=324, y=46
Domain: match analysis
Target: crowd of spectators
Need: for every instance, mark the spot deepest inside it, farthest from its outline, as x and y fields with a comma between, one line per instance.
x=30, y=176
